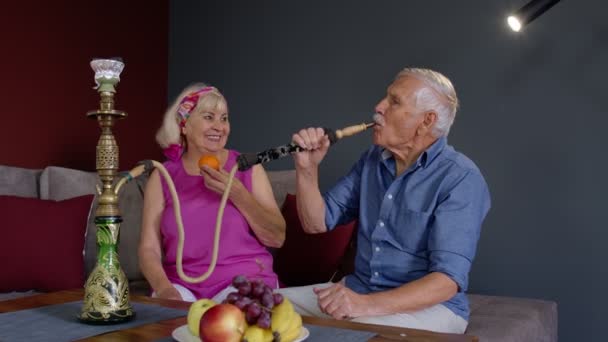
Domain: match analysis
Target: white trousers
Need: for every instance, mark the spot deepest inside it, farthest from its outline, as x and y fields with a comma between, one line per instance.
x=436, y=318
x=188, y=296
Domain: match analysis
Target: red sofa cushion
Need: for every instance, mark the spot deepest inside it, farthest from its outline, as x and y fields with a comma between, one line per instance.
x=42, y=243
x=305, y=258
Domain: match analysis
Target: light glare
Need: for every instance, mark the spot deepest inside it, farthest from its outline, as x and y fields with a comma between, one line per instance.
x=514, y=23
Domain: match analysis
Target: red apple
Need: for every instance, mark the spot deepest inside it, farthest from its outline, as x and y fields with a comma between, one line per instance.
x=223, y=323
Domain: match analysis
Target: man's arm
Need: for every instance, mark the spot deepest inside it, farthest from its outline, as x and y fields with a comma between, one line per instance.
x=341, y=302
x=310, y=204
x=311, y=207
x=432, y=289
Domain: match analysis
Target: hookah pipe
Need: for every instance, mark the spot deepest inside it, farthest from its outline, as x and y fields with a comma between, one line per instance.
x=244, y=162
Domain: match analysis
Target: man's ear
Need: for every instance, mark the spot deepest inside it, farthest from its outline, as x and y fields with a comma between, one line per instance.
x=430, y=118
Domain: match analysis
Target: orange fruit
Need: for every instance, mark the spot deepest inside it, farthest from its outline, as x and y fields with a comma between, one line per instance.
x=209, y=160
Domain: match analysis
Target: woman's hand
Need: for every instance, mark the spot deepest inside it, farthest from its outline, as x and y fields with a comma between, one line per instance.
x=169, y=293
x=218, y=180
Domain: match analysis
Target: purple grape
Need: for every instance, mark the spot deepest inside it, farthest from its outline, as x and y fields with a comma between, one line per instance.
x=245, y=289
x=254, y=309
x=268, y=300
x=232, y=297
x=278, y=298
x=257, y=290
x=267, y=289
x=241, y=303
x=239, y=280
x=264, y=320
x=250, y=319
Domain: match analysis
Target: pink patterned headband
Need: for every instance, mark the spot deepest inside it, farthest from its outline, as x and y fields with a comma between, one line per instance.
x=187, y=105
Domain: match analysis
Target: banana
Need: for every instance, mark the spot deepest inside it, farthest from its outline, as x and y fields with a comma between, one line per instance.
x=293, y=330
x=282, y=316
x=253, y=333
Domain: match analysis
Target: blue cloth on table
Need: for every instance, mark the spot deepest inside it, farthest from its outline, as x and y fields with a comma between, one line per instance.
x=320, y=333
x=60, y=323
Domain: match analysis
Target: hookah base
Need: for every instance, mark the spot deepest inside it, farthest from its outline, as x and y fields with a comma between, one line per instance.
x=98, y=318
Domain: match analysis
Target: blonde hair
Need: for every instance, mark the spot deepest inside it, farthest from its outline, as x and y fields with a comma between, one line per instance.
x=169, y=132
x=439, y=95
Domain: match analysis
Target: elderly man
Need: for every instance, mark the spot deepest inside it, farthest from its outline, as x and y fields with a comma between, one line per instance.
x=420, y=206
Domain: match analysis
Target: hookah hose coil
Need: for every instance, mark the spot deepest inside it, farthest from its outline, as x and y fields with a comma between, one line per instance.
x=147, y=166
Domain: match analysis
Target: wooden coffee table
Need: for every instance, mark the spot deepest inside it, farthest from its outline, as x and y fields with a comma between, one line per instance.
x=158, y=330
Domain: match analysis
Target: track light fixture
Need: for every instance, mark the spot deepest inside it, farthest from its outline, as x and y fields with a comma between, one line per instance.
x=529, y=12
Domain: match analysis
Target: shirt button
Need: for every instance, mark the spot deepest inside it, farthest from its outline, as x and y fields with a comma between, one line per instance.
x=381, y=224
x=377, y=249
x=376, y=274
x=390, y=196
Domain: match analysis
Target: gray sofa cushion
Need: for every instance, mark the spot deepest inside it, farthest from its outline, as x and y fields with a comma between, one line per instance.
x=282, y=182
x=502, y=319
x=15, y=181
x=15, y=295
x=59, y=183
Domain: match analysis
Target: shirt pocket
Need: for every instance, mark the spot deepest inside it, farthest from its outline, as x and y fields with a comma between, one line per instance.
x=410, y=230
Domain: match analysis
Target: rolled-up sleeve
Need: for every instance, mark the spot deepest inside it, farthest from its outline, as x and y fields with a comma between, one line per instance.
x=456, y=227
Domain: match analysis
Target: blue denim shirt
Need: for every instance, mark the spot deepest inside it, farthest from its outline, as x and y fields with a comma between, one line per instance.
x=427, y=219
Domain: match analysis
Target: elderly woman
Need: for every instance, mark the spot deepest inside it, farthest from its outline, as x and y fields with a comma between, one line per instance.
x=197, y=124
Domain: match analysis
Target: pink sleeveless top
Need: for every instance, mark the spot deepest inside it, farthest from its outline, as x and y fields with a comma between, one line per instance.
x=240, y=252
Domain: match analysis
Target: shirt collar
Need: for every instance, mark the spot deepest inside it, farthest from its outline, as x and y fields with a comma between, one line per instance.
x=425, y=157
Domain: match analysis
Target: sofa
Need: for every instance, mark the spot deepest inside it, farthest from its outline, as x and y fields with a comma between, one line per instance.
x=48, y=219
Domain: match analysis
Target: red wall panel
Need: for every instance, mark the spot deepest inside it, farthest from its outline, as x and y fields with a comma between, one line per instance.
x=46, y=86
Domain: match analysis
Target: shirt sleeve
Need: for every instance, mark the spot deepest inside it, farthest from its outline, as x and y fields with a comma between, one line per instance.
x=456, y=228
x=342, y=201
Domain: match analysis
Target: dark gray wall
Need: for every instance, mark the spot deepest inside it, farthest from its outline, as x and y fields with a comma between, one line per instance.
x=533, y=114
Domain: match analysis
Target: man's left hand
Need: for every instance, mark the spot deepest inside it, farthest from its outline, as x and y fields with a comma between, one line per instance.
x=341, y=302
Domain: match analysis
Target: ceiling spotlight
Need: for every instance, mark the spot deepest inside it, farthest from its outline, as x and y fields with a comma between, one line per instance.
x=529, y=12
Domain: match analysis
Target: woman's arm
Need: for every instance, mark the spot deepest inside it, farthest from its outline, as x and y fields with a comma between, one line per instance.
x=149, y=251
x=260, y=209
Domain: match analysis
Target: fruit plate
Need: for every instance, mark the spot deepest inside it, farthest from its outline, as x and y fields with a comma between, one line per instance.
x=182, y=334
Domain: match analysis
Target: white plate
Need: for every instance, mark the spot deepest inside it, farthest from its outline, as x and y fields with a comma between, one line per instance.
x=182, y=334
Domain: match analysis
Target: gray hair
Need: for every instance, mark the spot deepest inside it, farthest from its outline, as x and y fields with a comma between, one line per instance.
x=439, y=95
x=169, y=132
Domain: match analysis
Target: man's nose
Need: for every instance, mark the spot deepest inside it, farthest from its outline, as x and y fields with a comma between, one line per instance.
x=380, y=106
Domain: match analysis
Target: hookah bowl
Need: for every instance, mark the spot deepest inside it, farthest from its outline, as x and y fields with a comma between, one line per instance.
x=106, y=297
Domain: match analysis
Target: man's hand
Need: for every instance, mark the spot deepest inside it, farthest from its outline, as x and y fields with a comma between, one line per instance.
x=315, y=142
x=341, y=302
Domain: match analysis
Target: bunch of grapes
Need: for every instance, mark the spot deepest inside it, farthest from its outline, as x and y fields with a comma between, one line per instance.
x=255, y=299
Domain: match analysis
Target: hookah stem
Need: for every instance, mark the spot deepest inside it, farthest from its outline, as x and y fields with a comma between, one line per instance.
x=180, y=225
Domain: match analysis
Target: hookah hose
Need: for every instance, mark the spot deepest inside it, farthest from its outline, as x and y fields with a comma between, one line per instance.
x=145, y=165
x=148, y=165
